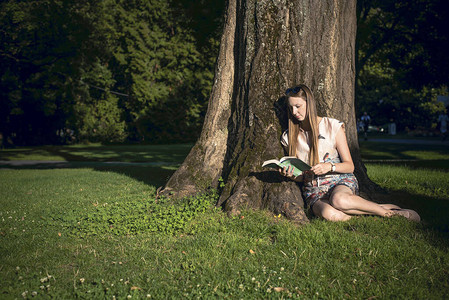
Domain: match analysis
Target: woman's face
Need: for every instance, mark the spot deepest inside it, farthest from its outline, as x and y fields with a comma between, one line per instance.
x=298, y=107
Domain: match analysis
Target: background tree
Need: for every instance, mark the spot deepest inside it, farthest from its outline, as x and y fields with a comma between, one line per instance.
x=109, y=70
x=265, y=48
x=43, y=48
x=114, y=70
x=401, y=65
x=155, y=61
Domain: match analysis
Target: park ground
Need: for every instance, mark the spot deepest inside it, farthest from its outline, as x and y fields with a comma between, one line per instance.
x=83, y=221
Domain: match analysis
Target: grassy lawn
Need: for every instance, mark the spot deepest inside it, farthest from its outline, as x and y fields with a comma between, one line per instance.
x=97, y=152
x=98, y=232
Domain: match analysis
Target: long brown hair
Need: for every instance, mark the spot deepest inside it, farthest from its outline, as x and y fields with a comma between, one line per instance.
x=311, y=119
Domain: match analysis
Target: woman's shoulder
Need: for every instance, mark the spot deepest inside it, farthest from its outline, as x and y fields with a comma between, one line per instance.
x=331, y=126
x=329, y=119
x=332, y=122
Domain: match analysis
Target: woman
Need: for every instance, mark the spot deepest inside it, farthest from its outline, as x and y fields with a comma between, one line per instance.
x=330, y=189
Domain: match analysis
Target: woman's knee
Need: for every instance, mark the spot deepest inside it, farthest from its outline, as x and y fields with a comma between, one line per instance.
x=341, y=201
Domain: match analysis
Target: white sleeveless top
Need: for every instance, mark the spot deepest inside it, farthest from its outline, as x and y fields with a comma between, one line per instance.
x=327, y=148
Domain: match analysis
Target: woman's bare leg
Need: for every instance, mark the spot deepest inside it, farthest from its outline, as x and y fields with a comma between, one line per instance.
x=344, y=200
x=323, y=209
x=390, y=206
x=344, y=203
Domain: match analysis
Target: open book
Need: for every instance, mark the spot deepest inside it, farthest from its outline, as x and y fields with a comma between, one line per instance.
x=298, y=165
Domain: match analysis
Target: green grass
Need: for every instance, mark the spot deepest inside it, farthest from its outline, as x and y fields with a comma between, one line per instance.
x=97, y=152
x=412, y=156
x=415, y=175
x=435, y=136
x=207, y=255
x=373, y=150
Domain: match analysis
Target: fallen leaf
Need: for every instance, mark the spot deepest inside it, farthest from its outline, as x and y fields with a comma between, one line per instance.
x=133, y=288
x=279, y=289
x=59, y=233
x=252, y=251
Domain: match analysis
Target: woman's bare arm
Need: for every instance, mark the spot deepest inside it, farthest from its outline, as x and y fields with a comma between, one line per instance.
x=346, y=165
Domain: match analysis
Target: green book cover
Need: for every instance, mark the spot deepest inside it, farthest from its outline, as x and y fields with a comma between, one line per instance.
x=298, y=165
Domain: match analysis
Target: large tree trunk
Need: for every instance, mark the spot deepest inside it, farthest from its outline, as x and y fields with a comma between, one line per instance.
x=266, y=47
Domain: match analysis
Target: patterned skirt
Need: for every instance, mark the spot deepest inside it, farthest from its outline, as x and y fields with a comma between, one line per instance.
x=322, y=186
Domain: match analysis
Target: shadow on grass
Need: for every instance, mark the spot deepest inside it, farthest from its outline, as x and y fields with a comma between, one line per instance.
x=100, y=153
x=150, y=164
x=430, y=164
x=156, y=175
x=433, y=212
x=375, y=150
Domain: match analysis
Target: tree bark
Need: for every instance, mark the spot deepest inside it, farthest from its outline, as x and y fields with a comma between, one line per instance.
x=266, y=47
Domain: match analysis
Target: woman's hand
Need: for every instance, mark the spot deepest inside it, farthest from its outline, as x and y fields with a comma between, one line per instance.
x=321, y=168
x=288, y=172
